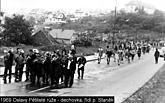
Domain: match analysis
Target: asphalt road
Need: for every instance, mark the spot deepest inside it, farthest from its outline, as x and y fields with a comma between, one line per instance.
x=123, y=82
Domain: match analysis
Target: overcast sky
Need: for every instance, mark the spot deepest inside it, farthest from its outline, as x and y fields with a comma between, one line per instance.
x=13, y=6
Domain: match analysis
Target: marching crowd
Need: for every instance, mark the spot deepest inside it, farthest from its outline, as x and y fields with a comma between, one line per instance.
x=123, y=50
x=53, y=68
x=49, y=68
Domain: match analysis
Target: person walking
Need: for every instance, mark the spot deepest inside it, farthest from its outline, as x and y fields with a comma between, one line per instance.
x=71, y=68
x=117, y=58
x=133, y=53
x=128, y=55
x=156, y=54
x=100, y=54
x=109, y=54
x=139, y=52
x=81, y=64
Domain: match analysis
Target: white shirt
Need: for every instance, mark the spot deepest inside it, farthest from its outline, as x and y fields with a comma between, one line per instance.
x=69, y=64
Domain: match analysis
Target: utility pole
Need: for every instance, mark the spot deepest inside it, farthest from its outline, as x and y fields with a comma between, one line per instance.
x=0, y=6
x=114, y=29
x=1, y=13
x=162, y=32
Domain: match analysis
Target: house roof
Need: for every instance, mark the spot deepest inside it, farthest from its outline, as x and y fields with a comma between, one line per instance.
x=140, y=3
x=43, y=37
x=37, y=29
x=62, y=34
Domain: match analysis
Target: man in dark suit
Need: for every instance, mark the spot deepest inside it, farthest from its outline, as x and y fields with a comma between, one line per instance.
x=71, y=70
x=8, y=61
x=157, y=54
x=56, y=70
x=64, y=64
x=47, y=67
x=28, y=65
x=81, y=64
x=32, y=69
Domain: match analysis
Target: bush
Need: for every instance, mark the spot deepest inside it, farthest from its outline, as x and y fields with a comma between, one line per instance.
x=79, y=49
x=83, y=42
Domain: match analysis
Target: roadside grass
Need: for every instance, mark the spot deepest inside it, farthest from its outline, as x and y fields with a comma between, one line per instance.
x=152, y=92
x=86, y=50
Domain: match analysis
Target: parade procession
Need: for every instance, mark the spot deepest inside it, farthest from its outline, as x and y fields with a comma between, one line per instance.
x=57, y=67
x=82, y=51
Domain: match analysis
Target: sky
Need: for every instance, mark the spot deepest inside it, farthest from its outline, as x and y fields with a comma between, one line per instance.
x=13, y=6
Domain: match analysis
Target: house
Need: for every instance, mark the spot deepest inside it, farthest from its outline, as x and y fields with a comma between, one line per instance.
x=57, y=18
x=134, y=5
x=63, y=36
x=72, y=17
x=42, y=37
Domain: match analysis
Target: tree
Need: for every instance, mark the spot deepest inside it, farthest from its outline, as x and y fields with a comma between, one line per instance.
x=32, y=20
x=41, y=20
x=17, y=30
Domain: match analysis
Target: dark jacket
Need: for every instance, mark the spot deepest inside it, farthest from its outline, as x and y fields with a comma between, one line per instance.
x=72, y=65
x=73, y=51
x=11, y=58
x=6, y=60
x=157, y=54
x=64, y=61
x=56, y=67
x=64, y=51
x=47, y=65
x=139, y=50
x=109, y=52
x=38, y=66
x=81, y=60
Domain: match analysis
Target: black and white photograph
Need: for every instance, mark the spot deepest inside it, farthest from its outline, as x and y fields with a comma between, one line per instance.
x=76, y=51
